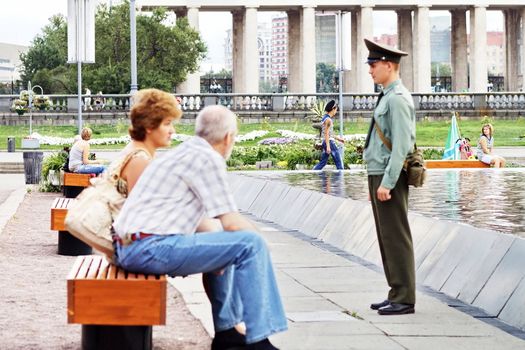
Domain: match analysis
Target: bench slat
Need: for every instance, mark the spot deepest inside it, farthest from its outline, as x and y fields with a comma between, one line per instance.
x=74, y=270
x=103, y=271
x=94, y=268
x=82, y=271
x=112, y=272
x=455, y=164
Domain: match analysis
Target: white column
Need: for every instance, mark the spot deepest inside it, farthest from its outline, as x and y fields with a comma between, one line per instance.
x=512, y=26
x=251, y=53
x=478, y=49
x=522, y=50
x=308, y=50
x=294, y=52
x=350, y=77
x=192, y=83
x=459, y=51
x=405, y=41
x=237, y=51
x=422, y=68
x=365, y=29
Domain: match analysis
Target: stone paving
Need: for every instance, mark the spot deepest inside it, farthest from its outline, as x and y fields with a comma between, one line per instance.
x=327, y=294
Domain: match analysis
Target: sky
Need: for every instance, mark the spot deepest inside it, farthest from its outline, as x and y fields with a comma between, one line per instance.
x=21, y=21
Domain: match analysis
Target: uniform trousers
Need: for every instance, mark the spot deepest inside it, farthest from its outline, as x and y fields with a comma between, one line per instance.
x=395, y=239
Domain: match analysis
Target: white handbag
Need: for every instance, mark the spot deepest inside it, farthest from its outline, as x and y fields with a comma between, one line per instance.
x=91, y=215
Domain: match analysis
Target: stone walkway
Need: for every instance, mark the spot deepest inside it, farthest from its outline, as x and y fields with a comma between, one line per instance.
x=327, y=293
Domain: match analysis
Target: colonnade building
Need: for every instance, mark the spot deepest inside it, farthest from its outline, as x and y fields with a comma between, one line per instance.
x=468, y=53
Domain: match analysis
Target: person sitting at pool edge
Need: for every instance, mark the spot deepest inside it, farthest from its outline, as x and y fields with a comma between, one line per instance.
x=485, y=146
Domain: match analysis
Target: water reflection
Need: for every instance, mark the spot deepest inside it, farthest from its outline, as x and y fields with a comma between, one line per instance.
x=484, y=198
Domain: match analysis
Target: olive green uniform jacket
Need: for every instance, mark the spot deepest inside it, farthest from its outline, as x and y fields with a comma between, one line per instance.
x=396, y=117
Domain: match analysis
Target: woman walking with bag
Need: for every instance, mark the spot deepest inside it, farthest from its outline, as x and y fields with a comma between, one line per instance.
x=329, y=145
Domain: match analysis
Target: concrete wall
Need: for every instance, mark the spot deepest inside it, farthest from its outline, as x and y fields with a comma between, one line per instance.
x=479, y=267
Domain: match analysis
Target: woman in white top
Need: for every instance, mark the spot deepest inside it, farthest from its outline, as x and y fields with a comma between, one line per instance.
x=485, y=145
x=79, y=161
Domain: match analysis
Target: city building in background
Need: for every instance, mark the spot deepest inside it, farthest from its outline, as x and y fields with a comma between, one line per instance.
x=496, y=53
x=279, y=67
x=264, y=46
x=10, y=61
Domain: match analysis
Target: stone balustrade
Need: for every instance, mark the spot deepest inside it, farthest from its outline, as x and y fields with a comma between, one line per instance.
x=282, y=107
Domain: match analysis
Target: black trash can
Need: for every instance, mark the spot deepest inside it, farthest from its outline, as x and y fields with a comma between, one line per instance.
x=33, y=166
x=10, y=144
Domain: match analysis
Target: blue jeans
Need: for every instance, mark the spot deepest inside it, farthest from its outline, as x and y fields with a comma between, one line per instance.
x=247, y=291
x=335, y=155
x=90, y=169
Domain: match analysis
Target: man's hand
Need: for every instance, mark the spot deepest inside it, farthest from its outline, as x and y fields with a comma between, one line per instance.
x=328, y=150
x=383, y=194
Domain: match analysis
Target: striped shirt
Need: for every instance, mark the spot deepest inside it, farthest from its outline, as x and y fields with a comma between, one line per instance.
x=176, y=190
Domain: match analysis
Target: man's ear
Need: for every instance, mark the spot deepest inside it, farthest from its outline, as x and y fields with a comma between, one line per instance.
x=227, y=139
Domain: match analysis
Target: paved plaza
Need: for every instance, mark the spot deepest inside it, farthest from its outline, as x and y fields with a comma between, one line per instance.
x=326, y=293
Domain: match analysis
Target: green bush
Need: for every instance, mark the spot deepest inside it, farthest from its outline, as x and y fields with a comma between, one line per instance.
x=432, y=153
x=54, y=161
x=292, y=154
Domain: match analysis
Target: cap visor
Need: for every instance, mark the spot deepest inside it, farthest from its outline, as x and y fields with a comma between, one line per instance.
x=372, y=60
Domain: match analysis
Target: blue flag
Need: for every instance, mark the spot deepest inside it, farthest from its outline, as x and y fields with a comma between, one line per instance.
x=451, y=146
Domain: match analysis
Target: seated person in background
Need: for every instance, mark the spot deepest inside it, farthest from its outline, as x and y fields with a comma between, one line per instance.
x=485, y=145
x=155, y=234
x=465, y=150
x=79, y=161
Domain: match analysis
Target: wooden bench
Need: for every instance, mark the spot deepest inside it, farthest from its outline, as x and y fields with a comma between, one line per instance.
x=75, y=183
x=442, y=164
x=67, y=243
x=116, y=308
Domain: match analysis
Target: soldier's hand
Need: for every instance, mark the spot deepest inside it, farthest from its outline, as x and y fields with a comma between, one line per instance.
x=328, y=150
x=383, y=194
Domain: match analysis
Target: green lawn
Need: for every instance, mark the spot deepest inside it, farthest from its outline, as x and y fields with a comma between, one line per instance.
x=429, y=133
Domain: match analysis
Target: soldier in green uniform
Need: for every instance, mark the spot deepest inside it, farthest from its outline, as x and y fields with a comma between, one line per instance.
x=390, y=139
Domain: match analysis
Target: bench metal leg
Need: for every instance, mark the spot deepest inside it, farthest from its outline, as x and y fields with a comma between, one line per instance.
x=95, y=337
x=72, y=191
x=70, y=245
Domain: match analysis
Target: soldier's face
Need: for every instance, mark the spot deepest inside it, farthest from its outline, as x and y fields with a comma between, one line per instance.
x=380, y=72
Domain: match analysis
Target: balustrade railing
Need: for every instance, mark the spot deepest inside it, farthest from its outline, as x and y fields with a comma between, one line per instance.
x=114, y=103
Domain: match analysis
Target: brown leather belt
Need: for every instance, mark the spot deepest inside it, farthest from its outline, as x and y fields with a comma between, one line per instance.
x=131, y=237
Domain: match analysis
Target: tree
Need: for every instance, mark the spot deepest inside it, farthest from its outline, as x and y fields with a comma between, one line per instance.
x=165, y=53
x=441, y=69
x=326, y=77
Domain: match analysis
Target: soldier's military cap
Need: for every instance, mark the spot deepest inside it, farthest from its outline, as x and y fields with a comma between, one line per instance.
x=381, y=52
x=329, y=106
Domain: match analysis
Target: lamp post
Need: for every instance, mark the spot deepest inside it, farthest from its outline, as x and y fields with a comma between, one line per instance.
x=30, y=91
x=133, y=44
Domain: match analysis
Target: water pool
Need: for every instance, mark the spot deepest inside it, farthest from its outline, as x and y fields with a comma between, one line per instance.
x=484, y=198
